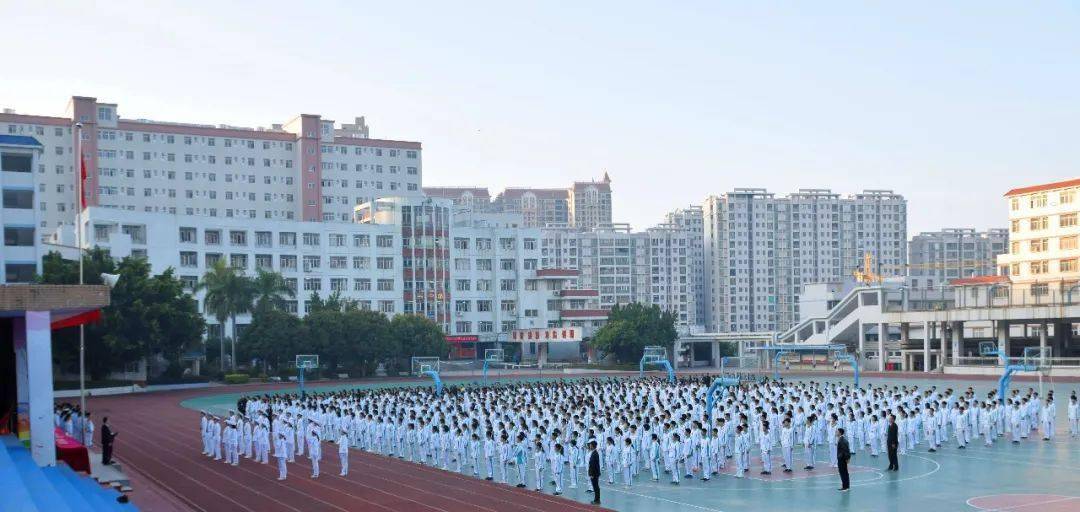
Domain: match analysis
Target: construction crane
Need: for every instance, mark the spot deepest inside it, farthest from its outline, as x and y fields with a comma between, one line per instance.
x=865, y=275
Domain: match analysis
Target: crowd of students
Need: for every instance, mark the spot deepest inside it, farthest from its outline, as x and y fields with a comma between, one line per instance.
x=536, y=434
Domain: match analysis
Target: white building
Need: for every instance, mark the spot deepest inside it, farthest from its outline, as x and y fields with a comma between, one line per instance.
x=691, y=220
x=361, y=262
x=19, y=158
x=1043, y=234
x=761, y=249
x=671, y=272
x=304, y=169
x=936, y=257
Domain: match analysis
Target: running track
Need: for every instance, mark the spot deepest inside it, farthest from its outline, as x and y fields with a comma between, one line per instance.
x=160, y=439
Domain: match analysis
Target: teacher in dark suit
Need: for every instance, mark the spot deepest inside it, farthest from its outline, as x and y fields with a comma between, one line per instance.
x=594, y=472
x=843, y=453
x=892, y=442
x=107, y=436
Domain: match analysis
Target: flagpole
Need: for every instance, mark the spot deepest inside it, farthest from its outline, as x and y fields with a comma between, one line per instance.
x=78, y=243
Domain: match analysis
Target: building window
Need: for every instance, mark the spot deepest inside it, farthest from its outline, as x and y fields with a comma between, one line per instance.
x=386, y=306
x=312, y=284
x=1039, y=245
x=384, y=263
x=238, y=238
x=287, y=239
x=1067, y=220
x=1039, y=267
x=238, y=261
x=1039, y=223
x=287, y=262
x=212, y=237
x=312, y=263
x=1037, y=200
x=189, y=259
x=1067, y=196
x=361, y=241
x=311, y=239
x=1040, y=289
x=384, y=241
x=187, y=235
x=264, y=262
x=1068, y=265
x=361, y=285
x=1067, y=243
x=385, y=285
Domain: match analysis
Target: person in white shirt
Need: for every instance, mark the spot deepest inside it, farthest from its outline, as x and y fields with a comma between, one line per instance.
x=343, y=451
x=1074, y=416
x=88, y=424
x=281, y=452
x=314, y=448
x=787, y=444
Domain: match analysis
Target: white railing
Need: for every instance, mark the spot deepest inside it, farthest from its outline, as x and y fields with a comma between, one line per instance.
x=1062, y=362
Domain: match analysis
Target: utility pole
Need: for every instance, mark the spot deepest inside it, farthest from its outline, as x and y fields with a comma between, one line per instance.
x=79, y=254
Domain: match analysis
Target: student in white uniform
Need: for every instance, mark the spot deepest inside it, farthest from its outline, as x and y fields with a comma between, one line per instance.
x=281, y=452
x=557, y=468
x=787, y=444
x=343, y=451
x=1074, y=416
x=654, y=457
x=628, y=454
x=314, y=448
x=765, y=443
x=520, y=459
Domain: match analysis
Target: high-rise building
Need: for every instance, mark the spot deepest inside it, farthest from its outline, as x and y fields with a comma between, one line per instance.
x=1043, y=238
x=761, y=249
x=691, y=220
x=305, y=169
x=936, y=257
x=466, y=199
x=671, y=272
x=590, y=203
x=539, y=207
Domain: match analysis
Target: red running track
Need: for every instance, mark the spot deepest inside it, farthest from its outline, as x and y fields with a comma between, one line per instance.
x=160, y=439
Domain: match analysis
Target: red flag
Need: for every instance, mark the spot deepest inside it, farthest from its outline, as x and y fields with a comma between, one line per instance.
x=82, y=182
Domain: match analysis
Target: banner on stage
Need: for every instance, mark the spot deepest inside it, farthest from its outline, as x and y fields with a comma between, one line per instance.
x=550, y=334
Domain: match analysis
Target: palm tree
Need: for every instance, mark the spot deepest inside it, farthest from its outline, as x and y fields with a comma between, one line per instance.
x=228, y=293
x=270, y=290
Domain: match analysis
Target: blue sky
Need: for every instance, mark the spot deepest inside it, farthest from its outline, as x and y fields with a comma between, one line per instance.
x=948, y=103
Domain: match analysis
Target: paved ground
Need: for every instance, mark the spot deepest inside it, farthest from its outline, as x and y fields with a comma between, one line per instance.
x=160, y=440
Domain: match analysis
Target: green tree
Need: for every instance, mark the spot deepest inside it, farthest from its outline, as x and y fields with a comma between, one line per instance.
x=631, y=328
x=148, y=315
x=416, y=336
x=228, y=293
x=369, y=340
x=327, y=336
x=270, y=290
x=274, y=336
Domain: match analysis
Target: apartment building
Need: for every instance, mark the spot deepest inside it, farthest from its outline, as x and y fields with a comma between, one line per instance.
x=1043, y=233
x=361, y=262
x=19, y=158
x=590, y=203
x=691, y=220
x=671, y=271
x=304, y=169
x=465, y=199
x=936, y=257
x=761, y=249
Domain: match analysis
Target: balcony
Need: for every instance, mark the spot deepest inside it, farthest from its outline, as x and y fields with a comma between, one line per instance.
x=584, y=314
x=577, y=293
x=556, y=273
